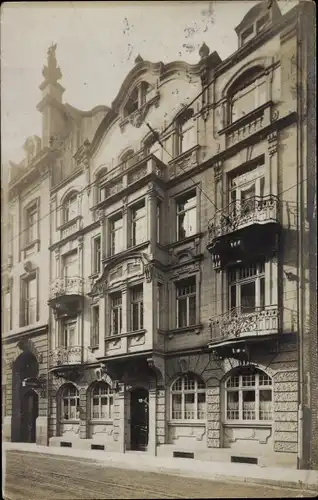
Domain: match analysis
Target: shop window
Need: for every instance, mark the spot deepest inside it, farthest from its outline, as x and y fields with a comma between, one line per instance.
x=187, y=398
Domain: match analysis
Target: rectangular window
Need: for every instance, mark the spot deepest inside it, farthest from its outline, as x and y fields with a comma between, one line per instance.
x=186, y=302
x=29, y=302
x=138, y=224
x=249, y=397
x=70, y=265
x=116, y=234
x=95, y=326
x=116, y=313
x=246, y=193
x=186, y=215
x=69, y=334
x=247, y=287
x=71, y=208
x=137, y=308
x=249, y=98
x=247, y=34
x=31, y=224
x=97, y=254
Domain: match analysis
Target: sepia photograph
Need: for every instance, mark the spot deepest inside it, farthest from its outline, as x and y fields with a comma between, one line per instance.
x=159, y=249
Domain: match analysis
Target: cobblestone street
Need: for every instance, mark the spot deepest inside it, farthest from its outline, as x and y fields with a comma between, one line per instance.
x=31, y=476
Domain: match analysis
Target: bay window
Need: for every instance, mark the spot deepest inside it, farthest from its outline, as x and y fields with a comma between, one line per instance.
x=186, y=215
x=247, y=287
x=186, y=302
x=249, y=397
x=187, y=398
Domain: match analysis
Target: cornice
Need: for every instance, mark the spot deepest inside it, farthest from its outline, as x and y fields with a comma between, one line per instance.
x=32, y=332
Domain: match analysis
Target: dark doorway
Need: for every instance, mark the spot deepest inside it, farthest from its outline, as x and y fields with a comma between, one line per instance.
x=24, y=401
x=29, y=413
x=139, y=419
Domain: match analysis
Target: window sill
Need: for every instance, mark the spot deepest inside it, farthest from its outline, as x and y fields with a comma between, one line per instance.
x=245, y=423
x=122, y=253
x=93, y=348
x=100, y=422
x=185, y=329
x=188, y=239
x=70, y=421
x=127, y=334
x=68, y=223
x=31, y=244
x=189, y=423
x=245, y=119
x=94, y=275
x=181, y=156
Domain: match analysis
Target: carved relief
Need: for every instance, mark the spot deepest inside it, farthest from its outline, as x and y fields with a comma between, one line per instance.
x=183, y=165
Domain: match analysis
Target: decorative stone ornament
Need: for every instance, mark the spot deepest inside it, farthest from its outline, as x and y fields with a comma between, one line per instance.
x=204, y=51
x=138, y=59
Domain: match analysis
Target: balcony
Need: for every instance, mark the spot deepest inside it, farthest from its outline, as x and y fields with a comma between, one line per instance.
x=66, y=295
x=238, y=323
x=65, y=361
x=244, y=228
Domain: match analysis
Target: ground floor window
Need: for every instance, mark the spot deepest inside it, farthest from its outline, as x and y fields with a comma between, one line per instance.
x=70, y=403
x=101, y=402
x=187, y=398
x=249, y=396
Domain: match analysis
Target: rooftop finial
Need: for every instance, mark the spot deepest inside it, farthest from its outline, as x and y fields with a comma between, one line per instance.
x=138, y=59
x=52, y=72
x=204, y=50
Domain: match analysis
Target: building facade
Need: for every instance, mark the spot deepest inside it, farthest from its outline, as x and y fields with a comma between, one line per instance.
x=178, y=298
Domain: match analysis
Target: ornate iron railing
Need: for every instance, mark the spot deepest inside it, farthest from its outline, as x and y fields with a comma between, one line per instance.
x=241, y=322
x=61, y=356
x=67, y=286
x=239, y=214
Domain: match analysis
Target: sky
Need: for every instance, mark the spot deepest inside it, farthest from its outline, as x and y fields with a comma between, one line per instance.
x=97, y=43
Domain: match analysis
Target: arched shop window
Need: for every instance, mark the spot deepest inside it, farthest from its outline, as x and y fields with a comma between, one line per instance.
x=248, y=397
x=187, y=398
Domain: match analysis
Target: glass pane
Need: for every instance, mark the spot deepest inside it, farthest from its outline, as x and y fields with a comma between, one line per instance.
x=135, y=317
x=182, y=312
x=176, y=406
x=189, y=406
x=232, y=296
x=188, y=139
x=248, y=405
x=262, y=293
x=248, y=200
x=248, y=297
x=181, y=227
x=232, y=412
x=190, y=222
x=265, y=404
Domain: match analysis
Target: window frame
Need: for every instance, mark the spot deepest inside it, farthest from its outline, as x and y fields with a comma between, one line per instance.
x=139, y=303
x=67, y=204
x=25, y=300
x=69, y=398
x=68, y=325
x=182, y=126
x=66, y=256
x=31, y=210
x=180, y=199
x=258, y=278
x=96, y=262
x=134, y=219
x=240, y=389
x=109, y=396
x=113, y=232
x=183, y=283
x=95, y=326
x=116, y=310
x=197, y=390
x=251, y=85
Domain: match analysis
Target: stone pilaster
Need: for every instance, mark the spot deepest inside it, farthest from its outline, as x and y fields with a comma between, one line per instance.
x=119, y=419
x=161, y=417
x=213, y=417
x=83, y=412
x=152, y=445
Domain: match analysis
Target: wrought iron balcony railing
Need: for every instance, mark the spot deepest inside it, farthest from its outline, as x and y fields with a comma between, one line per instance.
x=64, y=356
x=67, y=286
x=240, y=214
x=240, y=322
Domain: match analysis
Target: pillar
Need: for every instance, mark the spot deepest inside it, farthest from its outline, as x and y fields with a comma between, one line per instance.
x=152, y=426
x=120, y=419
x=213, y=417
x=161, y=417
x=83, y=412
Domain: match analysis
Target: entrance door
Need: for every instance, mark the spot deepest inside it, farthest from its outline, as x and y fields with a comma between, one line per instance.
x=139, y=419
x=29, y=415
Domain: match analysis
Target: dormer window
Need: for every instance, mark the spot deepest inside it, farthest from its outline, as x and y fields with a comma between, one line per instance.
x=247, y=34
x=262, y=22
x=254, y=22
x=133, y=103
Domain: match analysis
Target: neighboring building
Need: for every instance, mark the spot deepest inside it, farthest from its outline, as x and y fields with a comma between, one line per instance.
x=179, y=295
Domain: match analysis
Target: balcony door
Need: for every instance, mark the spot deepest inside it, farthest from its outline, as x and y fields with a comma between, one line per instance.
x=70, y=265
x=246, y=193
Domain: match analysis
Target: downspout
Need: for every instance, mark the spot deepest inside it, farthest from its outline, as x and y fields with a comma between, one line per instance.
x=300, y=322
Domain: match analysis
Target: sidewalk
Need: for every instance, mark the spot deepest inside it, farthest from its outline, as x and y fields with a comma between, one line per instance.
x=217, y=471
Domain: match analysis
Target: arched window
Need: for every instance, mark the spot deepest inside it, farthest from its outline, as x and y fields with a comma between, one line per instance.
x=101, y=402
x=247, y=93
x=248, y=396
x=70, y=403
x=70, y=207
x=185, y=132
x=187, y=398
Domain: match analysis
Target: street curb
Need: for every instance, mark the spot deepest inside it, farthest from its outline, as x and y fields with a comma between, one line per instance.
x=108, y=461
